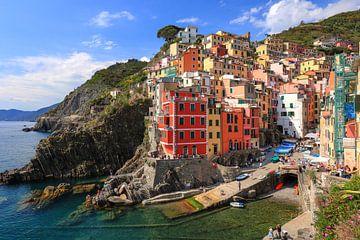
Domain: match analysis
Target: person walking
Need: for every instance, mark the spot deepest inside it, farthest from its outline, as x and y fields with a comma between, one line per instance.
x=277, y=233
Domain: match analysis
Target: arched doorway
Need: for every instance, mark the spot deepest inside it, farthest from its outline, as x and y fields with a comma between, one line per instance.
x=236, y=145
x=194, y=152
x=185, y=151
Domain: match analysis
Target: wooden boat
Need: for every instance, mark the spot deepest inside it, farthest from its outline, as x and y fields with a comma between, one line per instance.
x=279, y=186
x=242, y=177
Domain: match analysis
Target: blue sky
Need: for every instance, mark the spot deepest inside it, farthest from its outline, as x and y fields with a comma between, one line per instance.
x=47, y=48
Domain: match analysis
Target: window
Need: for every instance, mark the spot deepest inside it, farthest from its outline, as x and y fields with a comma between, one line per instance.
x=291, y=105
x=290, y=124
x=283, y=105
x=228, y=118
x=229, y=128
x=210, y=135
x=217, y=122
x=231, y=90
x=181, y=135
x=291, y=114
x=235, y=128
x=202, y=106
x=192, y=107
x=192, y=121
x=283, y=114
x=210, y=111
x=217, y=134
x=202, y=134
x=282, y=97
x=181, y=121
x=236, y=118
x=192, y=134
x=181, y=107
x=202, y=121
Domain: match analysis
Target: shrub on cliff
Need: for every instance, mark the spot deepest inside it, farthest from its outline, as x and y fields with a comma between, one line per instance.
x=339, y=215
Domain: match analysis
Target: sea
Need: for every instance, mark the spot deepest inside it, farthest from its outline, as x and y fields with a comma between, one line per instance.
x=66, y=219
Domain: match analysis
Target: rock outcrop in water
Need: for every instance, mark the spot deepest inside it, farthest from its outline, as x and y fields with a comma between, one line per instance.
x=92, y=133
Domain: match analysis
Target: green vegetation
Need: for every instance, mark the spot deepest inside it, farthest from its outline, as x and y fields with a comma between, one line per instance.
x=195, y=203
x=344, y=25
x=339, y=215
x=114, y=74
x=132, y=80
x=168, y=32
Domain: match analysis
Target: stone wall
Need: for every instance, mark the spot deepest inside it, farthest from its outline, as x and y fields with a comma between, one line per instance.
x=191, y=172
x=265, y=186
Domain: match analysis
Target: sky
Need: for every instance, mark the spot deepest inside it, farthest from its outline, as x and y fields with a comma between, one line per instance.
x=48, y=48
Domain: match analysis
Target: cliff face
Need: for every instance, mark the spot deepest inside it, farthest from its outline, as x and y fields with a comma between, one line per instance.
x=92, y=134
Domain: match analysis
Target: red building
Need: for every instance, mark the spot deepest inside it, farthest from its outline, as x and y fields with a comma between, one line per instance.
x=219, y=50
x=183, y=123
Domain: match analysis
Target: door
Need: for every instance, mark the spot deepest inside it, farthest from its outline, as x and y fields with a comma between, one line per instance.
x=194, y=150
x=215, y=149
x=185, y=151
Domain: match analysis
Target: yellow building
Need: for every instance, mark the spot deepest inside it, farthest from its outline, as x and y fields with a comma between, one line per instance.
x=213, y=128
x=237, y=48
x=314, y=64
x=177, y=48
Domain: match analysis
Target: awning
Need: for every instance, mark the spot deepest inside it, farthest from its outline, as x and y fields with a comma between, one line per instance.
x=288, y=140
x=312, y=135
x=283, y=150
x=318, y=159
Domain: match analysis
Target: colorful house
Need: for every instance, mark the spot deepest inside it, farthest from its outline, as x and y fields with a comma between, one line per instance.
x=182, y=122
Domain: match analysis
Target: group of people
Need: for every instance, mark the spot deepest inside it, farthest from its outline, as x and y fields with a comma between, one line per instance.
x=277, y=233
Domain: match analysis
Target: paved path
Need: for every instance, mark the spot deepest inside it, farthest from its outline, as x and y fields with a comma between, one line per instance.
x=303, y=221
x=226, y=191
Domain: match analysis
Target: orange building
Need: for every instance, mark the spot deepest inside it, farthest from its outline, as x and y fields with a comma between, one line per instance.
x=232, y=129
x=191, y=60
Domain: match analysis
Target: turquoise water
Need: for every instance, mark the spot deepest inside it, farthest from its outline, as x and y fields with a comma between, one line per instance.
x=58, y=220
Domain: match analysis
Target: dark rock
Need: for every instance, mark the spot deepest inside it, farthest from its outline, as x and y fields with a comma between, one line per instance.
x=87, y=151
x=26, y=129
x=40, y=199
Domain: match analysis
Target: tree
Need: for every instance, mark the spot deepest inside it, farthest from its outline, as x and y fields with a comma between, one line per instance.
x=168, y=32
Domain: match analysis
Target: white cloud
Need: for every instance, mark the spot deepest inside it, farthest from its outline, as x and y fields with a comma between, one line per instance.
x=188, y=20
x=38, y=81
x=283, y=14
x=145, y=59
x=222, y=3
x=97, y=42
x=105, y=18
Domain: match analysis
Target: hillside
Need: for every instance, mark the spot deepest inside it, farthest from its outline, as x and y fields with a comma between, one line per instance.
x=75, y=109
x=19, y=115
x=344, y=25
x=92, y=133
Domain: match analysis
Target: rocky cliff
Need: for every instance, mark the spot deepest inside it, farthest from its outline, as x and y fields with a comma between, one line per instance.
x=91, y=132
